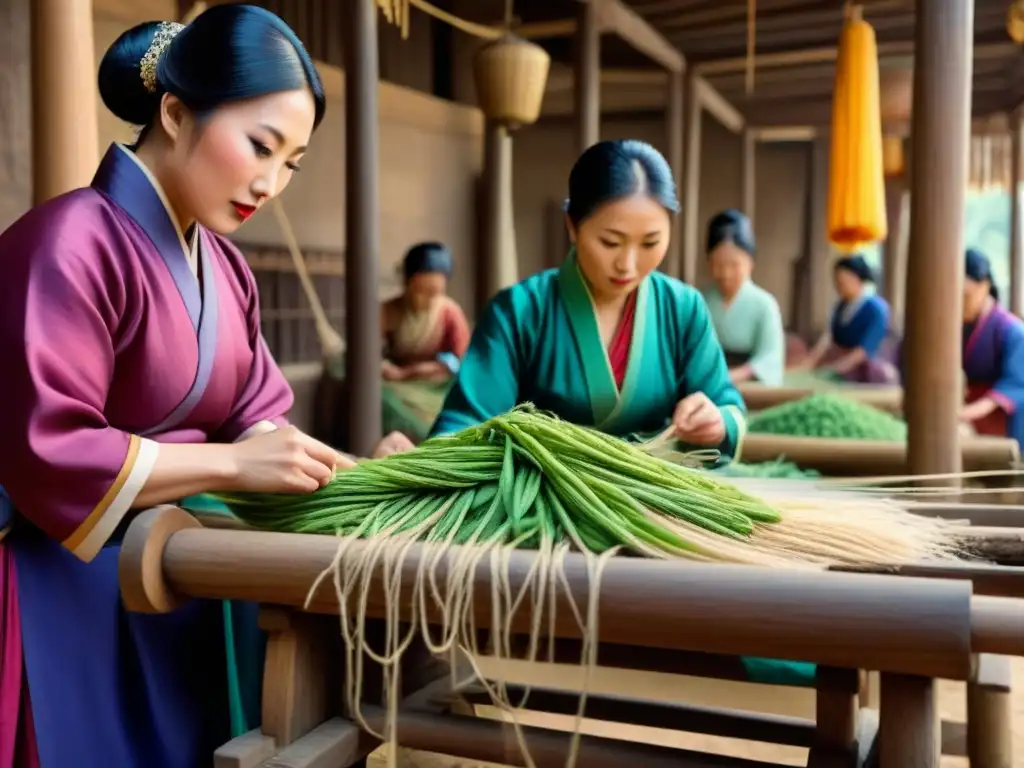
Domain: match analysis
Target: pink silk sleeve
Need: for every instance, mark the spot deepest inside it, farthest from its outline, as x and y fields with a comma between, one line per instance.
x=266, y=398
x=63, y=466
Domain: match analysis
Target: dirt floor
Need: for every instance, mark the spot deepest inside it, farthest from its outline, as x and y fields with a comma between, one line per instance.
x=798, y=703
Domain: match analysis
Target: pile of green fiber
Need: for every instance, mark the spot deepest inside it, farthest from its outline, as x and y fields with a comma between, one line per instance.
x=522, y=479
x=828, y=415
x=779, y=469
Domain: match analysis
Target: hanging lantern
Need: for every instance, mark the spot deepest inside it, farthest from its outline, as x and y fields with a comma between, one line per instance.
x=893, y=162
x=856, y=197
x=1015, y=21
x=896, y=98
x=511, y=74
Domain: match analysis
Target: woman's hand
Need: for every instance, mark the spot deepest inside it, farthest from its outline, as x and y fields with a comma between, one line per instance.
x=979, y=409
x=283, y=461
x=392, y=372
x=698, y=421
x=395, y=442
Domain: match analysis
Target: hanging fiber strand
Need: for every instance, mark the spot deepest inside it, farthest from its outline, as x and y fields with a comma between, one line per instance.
x=856, y=196
x=397, y=12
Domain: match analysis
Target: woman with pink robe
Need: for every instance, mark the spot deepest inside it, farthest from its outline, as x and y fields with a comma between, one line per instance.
x=425, y=331
x=134, y=374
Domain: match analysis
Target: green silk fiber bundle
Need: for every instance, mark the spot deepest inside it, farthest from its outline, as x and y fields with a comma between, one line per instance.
x=526, y=479
x=829, y=415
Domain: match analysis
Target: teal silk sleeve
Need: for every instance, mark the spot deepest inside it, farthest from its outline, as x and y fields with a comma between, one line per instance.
x=487, y=383
x=705, y=370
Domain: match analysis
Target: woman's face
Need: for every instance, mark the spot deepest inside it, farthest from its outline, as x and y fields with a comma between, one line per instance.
x=730, y=267
x=421, y=290
x=239, y=157
x=621, y=243
x=976, y=293
x=848, y=285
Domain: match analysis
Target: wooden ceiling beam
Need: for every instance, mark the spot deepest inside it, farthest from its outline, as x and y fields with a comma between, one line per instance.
x=619, y=19
x=717, y=106
x=784, y=19
x=982, y=49
x=818, y=112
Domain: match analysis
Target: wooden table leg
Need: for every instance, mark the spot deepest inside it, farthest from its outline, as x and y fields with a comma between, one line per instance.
x=989, y=727
x=909, y=725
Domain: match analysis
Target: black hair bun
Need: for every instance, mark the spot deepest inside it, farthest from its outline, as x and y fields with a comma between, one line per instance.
x=120, y=77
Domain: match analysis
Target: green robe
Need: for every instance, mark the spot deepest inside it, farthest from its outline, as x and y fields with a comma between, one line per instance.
x=750, y=327
x=539, y=342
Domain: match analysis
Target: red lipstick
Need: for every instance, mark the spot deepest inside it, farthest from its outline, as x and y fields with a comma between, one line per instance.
x=243, y=211
x=621, y=280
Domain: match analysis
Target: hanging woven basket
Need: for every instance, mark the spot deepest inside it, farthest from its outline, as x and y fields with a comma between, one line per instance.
x=1015, y=21
x=896, y=98
x=893, y=161
x=511, y=75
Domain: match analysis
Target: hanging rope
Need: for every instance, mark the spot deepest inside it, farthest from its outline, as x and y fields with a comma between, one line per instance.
x=397, y=12
x=331, y=343
x=751, y=41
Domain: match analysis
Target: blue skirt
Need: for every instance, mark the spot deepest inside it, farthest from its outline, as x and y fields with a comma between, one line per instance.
x=114, y=688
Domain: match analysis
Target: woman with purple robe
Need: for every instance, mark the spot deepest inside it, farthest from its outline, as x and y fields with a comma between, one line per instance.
x=993, y=356
x=854, y=347
x=134, y=374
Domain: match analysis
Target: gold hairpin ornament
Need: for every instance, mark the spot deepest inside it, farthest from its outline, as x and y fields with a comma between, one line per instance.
x=166, y=31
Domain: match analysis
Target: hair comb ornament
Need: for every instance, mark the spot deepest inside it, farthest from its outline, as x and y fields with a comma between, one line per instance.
x=166, y=31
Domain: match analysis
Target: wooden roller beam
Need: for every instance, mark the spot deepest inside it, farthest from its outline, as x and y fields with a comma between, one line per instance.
x=758, y=396
x=846, y=458
x=841, y=620
x=492, y=741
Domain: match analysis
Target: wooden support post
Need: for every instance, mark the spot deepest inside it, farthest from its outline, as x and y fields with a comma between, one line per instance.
x=941, y=131
x=835, y=731
x=819, y=277
x=362, y=213
x=1016, y=298
x=894, y=282
x=909, y=726
x=65, y=140
x=674, y=126
x=587, y=82
x=748, y=177
x=691, y=186
x=990, y=714
x=500, y=263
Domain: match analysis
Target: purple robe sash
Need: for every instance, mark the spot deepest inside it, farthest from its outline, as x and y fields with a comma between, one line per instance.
x=122, y=180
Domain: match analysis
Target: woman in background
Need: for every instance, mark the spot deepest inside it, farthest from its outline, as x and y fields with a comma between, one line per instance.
x=605, y=340
x=745, y=316
x=426, y=332
x=852, y=348
x=134, y=374
x=993, y=356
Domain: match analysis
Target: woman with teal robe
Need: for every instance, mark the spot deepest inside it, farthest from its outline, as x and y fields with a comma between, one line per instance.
x=605, y=340
x=746, y=317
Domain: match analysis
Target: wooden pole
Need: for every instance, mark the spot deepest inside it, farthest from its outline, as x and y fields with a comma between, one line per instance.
x=748, y=178
x=941, y=135
x=819, y=275
x=500, y=264
x=908, y=734
x=362, y=151
x=1016, y=298
x=587, y=83
x=894, y=282
x=675, y=127
x=65, y=138
x=691, y=187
